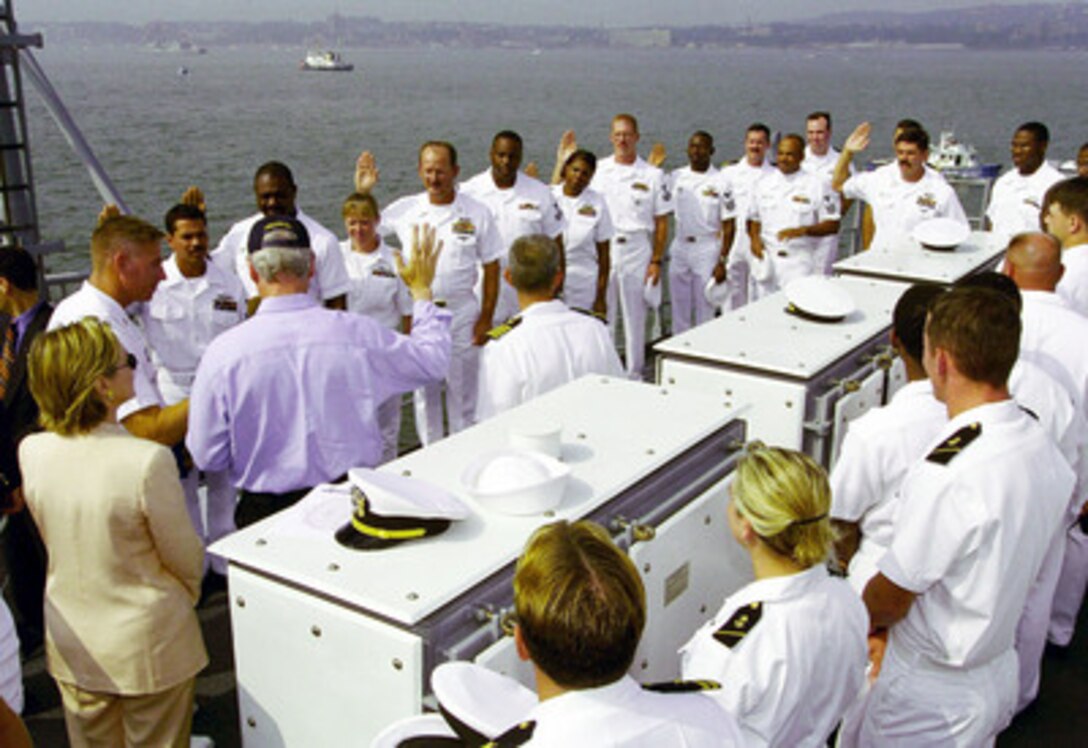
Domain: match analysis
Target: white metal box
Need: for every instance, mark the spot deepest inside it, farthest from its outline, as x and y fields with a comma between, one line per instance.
x=333, y=644
x=794, y=380
x=910, y=263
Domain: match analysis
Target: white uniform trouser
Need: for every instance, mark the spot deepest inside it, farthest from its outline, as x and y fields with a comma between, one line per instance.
x=737, y=269
x=826, y=253
x=788, y=265
x=389, y=424
x=460, y=383
x=691, y=263
x=1070, y=592
x=1032, y=627
x=580, y=286
x=630, y=255
x=916, y=703
x=215, y=519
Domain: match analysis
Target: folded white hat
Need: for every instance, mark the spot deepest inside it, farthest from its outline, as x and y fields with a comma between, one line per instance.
x=651, y=293
x=516, y=481
x=716, y=293
x=819, y=297
x=941, y=233
x=762, y=268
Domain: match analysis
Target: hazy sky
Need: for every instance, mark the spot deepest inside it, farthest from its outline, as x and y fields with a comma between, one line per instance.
x=574, y=12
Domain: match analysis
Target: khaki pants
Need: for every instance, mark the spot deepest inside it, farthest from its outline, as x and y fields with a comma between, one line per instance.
x=103, y=720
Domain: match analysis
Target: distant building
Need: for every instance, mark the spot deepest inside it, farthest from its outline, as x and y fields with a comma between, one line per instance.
x=640, y=38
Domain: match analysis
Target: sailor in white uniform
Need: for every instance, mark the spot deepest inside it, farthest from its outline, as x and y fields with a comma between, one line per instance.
x=520, y=204
x=547, y=344
x=790, y=210
x=1016, y=200
x=377, y=291
x=739, y=179
x=195, y=303
x=276, y=192
x=820, y=159
x=1053, y=338
x=700, y=198
x=1065, y=216
x=470, y=245
x=902, y=194
x=882, y=445
x=789, y=649
x=587, y=231
x=638, y=202
x=985, y=505
x=569, y=575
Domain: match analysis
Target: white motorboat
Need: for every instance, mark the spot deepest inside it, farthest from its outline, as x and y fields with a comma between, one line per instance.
x=326, y=61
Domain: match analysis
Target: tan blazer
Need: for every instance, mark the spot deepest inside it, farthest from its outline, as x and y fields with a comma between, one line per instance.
x=124, y=561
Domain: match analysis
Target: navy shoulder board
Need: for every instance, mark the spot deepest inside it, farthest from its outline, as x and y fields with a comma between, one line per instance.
x=946, y=451
x=743, y=620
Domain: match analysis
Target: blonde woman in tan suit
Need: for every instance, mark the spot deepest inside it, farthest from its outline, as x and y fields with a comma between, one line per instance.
x=122, y=638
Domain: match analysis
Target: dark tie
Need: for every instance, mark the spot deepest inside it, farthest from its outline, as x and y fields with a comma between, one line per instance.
x=8, y=359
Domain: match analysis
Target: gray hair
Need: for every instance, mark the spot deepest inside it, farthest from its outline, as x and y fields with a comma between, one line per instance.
x=270, y=261
x=534, y=262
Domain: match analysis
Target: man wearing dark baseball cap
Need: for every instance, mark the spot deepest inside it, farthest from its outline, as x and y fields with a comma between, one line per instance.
x=288, y=399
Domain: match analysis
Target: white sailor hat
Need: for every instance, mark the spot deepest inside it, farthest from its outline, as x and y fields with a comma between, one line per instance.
x=762, y=268
x=516, y=481
x=390, y=509
x=818, y=298
x=415, y=730
x=716, y=293
x=941, y=234
x=479, y=702
x=651, y=293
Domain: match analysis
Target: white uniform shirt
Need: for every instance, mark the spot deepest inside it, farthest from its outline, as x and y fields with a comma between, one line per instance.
x=701, y=201
x=526, y=208
x=972, y=534
x=624, y=715
x=741, y=179
x=88, y=301
x=898, y=205
x=782, y=201
x=1073, y=286
x=468, y=235
x=636, y=193
x=330, y=278
x=791, y=677
x=183, y=316
x=1016, y=201
x=824, y=165
x=878, y=450
x=376, y=288
x=1054, y=337
x=586, y=222
x=550, y=346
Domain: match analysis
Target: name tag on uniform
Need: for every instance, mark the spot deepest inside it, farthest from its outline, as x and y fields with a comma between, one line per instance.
x=225, y=304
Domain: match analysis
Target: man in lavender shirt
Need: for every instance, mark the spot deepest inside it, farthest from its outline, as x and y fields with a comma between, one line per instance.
x=288, y=399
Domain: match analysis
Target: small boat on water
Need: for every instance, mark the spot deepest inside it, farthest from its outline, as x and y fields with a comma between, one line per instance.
x=953, y=158
x=326, y=60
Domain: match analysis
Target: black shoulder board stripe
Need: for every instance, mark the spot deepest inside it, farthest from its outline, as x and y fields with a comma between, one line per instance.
x=431, y=741
x=603, y=318
x=497, y=332
x=682, y=686
x=1030, y=412
x=944, y=452
x=515, y=736
x=739, y=624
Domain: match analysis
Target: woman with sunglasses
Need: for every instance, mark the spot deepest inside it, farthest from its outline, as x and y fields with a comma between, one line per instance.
x=122, y=639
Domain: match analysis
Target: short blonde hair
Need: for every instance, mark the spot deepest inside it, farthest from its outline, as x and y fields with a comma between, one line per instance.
x=580, y=604
x=63, y=367
x=118, y=232
x=786, y=497
x=359, y=205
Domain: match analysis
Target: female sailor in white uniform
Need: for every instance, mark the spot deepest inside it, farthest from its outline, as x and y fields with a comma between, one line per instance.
x=587, y=229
